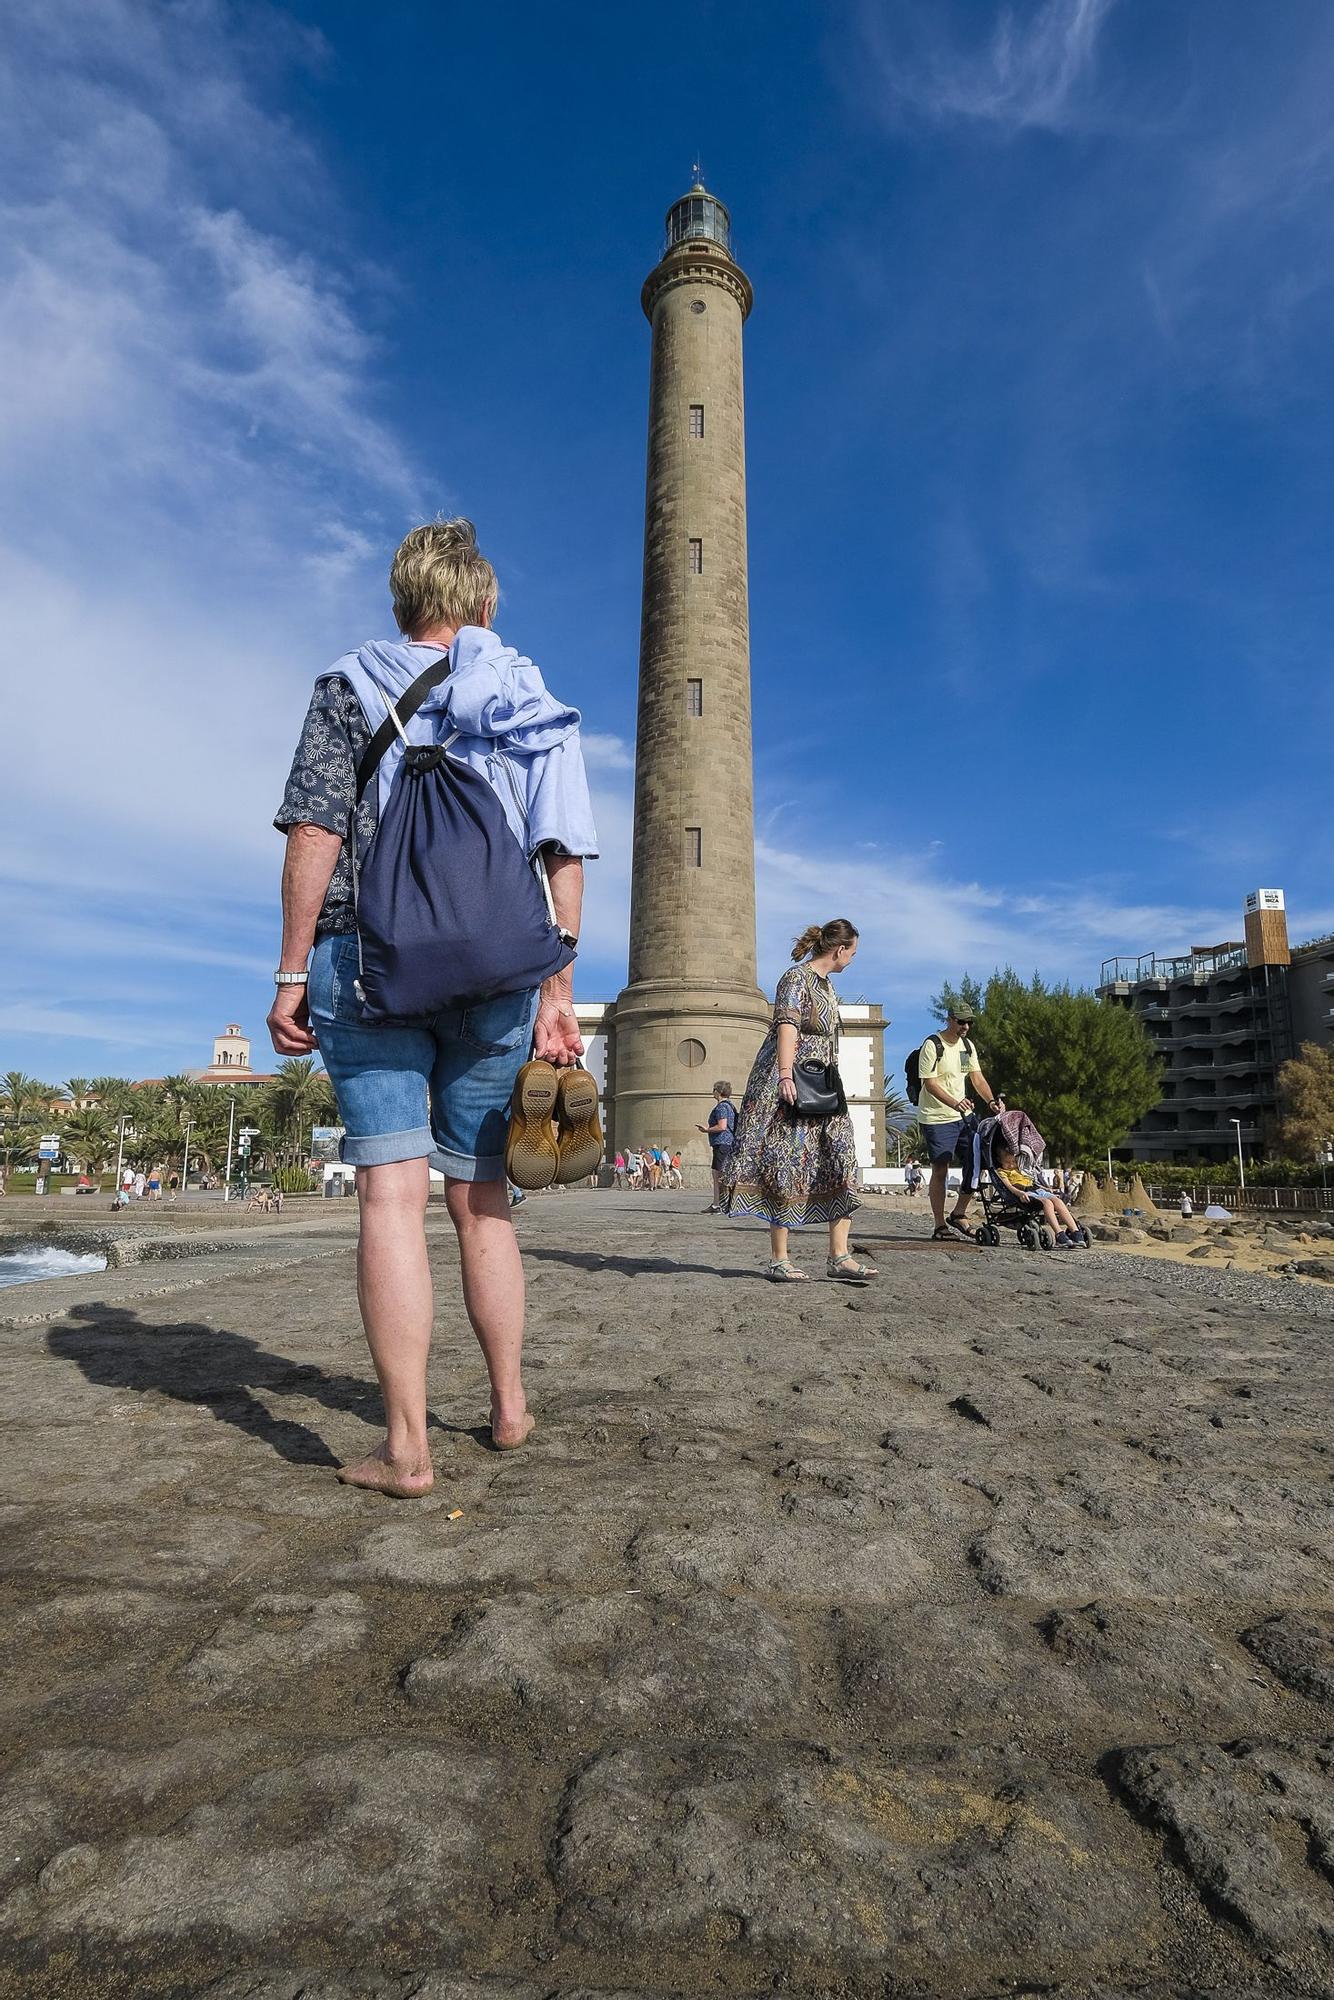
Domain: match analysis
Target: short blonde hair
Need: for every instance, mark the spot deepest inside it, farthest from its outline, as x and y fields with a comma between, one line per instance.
x=440, y=577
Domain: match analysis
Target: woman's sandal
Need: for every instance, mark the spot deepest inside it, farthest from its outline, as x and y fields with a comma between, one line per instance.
x=849, y=1270
x=784, y=1272
x=943, y=1234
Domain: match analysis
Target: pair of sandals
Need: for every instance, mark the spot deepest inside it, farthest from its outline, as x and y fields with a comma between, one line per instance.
x=953, y=1230
x=554, y=1133
x=844, y=1270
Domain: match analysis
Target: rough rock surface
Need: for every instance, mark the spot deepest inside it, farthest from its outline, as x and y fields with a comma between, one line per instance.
x=1255, y=1823
x=1299, y=1648
x=968, y=1633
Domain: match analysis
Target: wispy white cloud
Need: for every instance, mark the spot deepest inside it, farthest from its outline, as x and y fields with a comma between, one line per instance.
x=1033, y=69
x=103, y=1027
x=605, y=752
x=198, y=494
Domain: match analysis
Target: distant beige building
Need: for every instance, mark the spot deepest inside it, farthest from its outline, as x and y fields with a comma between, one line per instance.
x=1224, y=1019
x=692, y=1011
x=231, y=1061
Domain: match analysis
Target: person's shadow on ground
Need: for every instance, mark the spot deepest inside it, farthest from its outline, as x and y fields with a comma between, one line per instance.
x=213, y=1369
x=630, y=1267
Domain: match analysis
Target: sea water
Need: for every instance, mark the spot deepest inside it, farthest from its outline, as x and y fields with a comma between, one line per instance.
x=26, y=1267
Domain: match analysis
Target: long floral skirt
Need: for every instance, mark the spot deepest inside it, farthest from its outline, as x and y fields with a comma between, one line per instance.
x=785, y=1169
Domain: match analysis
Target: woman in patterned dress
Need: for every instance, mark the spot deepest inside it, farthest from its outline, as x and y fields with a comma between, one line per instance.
x=789, y=1170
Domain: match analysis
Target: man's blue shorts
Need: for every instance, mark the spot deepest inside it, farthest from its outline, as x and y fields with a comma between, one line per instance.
x=951, y=1141
x=436, y=1089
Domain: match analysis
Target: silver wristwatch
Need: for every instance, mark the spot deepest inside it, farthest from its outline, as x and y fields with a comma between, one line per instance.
x=291, y=978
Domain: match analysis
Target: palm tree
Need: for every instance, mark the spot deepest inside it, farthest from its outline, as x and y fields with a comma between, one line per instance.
x=114, y=1094
x=294, y=1101
x=23, y=1097
x=902, y=1128
x=18, y=1142
x=176, y=1095
x=25, y=1113
x=212, y=1116
x=87, y=1137
x=76, y=1089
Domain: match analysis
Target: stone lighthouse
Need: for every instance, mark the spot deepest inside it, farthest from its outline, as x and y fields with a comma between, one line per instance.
x=692, y=1012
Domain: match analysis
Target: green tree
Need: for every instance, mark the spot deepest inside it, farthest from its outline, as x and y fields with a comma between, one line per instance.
x=26, y=1097
x=25, y=1113
x=963, y=1000
x=902, y=1130
x=114, y=1094
x=1084, y=1072
x=88, y=1137
x=299, y=1096
x=76, y=1088
x=212, y=1114
x=1306, y=1092
x=18, y=1142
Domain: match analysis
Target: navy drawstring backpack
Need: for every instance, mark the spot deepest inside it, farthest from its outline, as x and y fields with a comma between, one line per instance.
x=449, y=909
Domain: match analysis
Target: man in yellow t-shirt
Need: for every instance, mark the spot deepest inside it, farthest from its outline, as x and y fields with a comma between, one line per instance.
x=948, y=1068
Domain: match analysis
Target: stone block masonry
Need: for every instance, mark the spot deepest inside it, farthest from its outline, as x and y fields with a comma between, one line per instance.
x=692, y=1011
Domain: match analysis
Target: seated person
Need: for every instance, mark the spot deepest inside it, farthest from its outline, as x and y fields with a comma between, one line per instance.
x=1059, y=1219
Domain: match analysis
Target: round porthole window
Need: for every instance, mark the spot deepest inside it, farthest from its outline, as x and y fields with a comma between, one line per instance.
x=692, y=1053
x=697, y=305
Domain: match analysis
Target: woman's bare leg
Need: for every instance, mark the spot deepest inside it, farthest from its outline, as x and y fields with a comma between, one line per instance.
x=493, y=1294
x=394, y=1292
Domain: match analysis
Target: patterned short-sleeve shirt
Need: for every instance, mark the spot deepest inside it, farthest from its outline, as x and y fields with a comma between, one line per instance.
x=322, y=788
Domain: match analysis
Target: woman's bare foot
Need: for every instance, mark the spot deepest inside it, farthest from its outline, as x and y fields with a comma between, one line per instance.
x=509, y=1432
x=399, y=1479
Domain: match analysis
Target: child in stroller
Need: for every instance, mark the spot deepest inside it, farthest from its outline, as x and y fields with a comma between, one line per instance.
x=1007, y=1153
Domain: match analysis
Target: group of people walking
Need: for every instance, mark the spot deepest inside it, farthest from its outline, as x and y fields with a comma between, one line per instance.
x=649, y=1167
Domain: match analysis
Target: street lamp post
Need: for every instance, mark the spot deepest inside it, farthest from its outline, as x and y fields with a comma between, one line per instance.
x=231, y=1127
x=185, y=1160
x=120, y=1147
x=1241, y=1164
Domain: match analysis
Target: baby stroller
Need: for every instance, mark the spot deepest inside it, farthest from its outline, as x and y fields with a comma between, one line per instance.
x=1005, y=1207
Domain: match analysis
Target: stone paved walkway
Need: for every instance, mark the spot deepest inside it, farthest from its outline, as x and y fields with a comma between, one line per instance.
x=966, y=1634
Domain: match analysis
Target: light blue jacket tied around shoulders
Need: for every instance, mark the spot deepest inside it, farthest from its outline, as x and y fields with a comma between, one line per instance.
x=498, y=702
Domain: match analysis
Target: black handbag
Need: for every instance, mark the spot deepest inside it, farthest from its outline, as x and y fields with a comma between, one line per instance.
x=819, y=1086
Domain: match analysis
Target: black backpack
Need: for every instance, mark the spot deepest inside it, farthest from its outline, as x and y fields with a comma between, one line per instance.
x=913, y=1081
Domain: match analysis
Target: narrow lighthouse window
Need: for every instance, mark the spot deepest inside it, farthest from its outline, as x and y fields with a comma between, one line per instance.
x=697, y=420
x=694, y=697
x=696, y=556
x=694, y=847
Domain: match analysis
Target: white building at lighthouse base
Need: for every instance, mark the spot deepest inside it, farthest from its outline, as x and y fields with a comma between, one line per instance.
x=861, y=1062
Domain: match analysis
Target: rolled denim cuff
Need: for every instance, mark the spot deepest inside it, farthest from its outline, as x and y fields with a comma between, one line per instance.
x=384, y=1149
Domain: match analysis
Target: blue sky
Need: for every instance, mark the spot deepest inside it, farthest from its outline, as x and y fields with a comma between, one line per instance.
x=1040, y=435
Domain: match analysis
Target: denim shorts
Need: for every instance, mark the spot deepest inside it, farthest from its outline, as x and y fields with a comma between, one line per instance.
x=436, y=1089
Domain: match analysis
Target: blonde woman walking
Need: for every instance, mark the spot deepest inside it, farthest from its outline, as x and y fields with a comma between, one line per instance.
x=786, y=1169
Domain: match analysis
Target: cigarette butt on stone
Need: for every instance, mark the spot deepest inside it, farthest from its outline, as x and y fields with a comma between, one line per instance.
x=454, y=1514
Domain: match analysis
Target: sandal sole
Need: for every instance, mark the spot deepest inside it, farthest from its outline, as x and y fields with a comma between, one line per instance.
x=579, y=1135
x=531, y=1157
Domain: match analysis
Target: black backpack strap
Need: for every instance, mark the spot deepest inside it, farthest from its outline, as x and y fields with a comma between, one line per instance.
x=411, y=701
x=940, y=1047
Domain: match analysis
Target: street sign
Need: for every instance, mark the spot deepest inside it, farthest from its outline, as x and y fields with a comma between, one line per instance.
x=249, y=1132
x=49, y=1146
